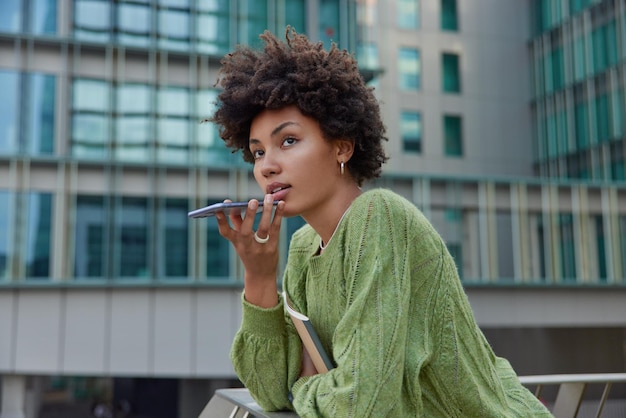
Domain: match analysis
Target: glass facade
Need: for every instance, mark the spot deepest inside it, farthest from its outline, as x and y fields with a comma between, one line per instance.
x=132, y=156
x=137, y=238
x=578, y=89
x=116, y=175
x=206, y=26
x=137, y=122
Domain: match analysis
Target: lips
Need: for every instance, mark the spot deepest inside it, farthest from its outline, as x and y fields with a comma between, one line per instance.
x=278, y=190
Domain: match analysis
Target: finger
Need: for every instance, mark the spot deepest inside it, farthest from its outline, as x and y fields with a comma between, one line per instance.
x=279, y=213
x=235, y=216
x=223, y=226
x=278, y=217
x=248, y=221
x=263, y=229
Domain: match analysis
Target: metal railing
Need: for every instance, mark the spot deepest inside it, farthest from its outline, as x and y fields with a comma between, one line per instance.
x=571, y=390
x=237, y=403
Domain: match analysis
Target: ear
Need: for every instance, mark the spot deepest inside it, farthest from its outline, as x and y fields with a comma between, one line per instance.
x=344, y=149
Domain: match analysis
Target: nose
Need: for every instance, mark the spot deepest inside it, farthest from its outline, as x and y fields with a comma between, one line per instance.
x=269, y=164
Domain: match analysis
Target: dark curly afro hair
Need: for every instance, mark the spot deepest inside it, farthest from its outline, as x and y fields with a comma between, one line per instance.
x=324, y=85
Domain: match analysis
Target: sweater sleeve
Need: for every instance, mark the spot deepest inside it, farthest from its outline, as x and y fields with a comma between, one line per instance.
x=266, y=355
x=369, y=343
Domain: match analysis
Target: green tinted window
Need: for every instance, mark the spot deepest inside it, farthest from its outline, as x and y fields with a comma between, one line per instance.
x=451, y=73
x=453, y=135
x=449, y=18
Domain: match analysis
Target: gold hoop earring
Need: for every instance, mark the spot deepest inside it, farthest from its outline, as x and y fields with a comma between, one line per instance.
x=342, y=167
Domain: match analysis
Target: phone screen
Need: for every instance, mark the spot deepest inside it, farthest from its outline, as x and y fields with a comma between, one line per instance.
x=211, y=210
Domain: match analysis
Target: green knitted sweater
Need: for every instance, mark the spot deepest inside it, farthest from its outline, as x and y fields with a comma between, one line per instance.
x=388, y=305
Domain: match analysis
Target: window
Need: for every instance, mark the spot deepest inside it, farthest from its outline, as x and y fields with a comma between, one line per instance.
x=90, y=118
x=578, y=55
x=131, y=241
x=603, y=122
x=252, y=21
x=295, y=15
x=217, y=253
x=213, y=26
x=581, y=123
x=9, y=111
x=407, y=12
x=599, y=58
x=37, y=237
x=173, y=30
x=558, y=69
x=329, y=22
x=411, y=131
x=133, y=124
x=453, y=135
x=409, y=69
x=451, y=73
x=40, y=110
x=41, y=16
x=567, y=247
x=210, y=148
x=5, y=231
x=449, y=18
x=92, y=20
x=173, y=240
x=622, y=238
x=10, y=15
x=134, y=24
x=29, y=97
x=90, y=238
x=367, y=55
x=173, y=137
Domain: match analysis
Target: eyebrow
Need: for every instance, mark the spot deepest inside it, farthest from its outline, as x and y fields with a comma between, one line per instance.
x=275, y=131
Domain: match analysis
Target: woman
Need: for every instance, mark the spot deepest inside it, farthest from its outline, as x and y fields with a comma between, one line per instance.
x=369, y=270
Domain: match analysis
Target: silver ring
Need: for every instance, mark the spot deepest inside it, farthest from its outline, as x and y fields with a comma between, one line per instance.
x=261, y=240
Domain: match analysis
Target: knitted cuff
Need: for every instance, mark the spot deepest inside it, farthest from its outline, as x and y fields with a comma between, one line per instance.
x=262, y=321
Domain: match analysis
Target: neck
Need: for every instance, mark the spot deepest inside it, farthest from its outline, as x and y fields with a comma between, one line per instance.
x=325, y=221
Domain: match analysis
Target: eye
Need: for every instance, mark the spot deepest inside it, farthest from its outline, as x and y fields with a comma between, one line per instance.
x=289, y=141
x=257, y=153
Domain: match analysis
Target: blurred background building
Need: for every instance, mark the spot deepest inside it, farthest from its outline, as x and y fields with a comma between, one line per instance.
x=507, y=127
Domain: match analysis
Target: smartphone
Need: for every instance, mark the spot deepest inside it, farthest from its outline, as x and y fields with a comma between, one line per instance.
x=211, y=210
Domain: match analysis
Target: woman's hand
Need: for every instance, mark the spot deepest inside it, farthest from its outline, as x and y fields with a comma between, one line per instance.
x=259, y=257
x=308, y=368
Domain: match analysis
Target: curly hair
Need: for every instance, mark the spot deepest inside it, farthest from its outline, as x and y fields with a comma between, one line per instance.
x=324, y=85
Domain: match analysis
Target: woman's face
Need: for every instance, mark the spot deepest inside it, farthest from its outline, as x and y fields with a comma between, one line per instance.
x=293, y=161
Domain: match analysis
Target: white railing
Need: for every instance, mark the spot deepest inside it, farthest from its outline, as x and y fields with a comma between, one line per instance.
x=571, y=390
x=237, y=403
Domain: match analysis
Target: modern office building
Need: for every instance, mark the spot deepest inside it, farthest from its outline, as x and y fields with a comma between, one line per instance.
x=506, y=127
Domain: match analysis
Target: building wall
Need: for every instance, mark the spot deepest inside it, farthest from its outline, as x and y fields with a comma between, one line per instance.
x=186, y=333
x=491, y=42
